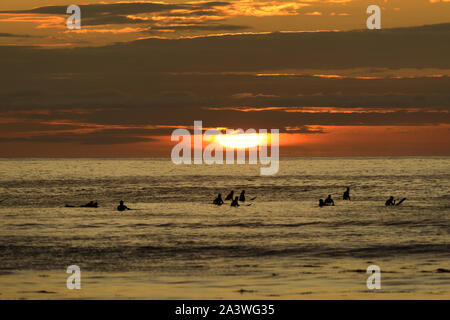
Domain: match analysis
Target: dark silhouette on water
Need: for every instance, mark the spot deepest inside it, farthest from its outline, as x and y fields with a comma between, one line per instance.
x=346, y=195
x=90, y=204
x=230, y=195
x=235, y=202
x=321, y=203
x=122, y=207
x=242, y=196
x=218, y=201
x=390, y=201
x=329, y=201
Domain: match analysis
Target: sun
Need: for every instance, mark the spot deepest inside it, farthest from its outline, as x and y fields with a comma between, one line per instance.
x=241, y=140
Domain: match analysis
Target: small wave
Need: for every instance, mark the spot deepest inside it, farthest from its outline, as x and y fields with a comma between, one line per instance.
x=87, y=226
x=389, y=250
x=267, y=225
x=28, y=225
x=18, y=257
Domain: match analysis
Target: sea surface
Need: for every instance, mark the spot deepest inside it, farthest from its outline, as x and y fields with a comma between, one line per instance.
x=176, y=244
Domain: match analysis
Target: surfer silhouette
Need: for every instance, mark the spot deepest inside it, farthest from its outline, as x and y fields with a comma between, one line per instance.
x=346, y=195
x=242, y=196
x=390, y=201
x=122, y=207
x=218, y=201
x=329, y=201
x=235, y=202
x=230, y=195
x=90, y=204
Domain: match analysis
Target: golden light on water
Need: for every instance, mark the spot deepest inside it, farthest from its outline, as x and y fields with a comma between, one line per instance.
x=242, y=140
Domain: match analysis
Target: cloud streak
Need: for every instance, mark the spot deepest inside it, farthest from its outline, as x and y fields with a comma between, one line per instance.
x=156, y=16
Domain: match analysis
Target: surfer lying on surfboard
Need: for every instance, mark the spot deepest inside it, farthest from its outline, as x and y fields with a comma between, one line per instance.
x=90, y=204
x=392, y=202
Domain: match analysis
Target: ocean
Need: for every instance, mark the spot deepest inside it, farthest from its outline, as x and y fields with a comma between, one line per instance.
x=175, y=244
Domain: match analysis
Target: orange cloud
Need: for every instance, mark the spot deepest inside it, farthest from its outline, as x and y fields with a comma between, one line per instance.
x=43, y=21
x=103, y=30
x=361, y=110
x=368, y=141
x=314, y=13
x=262, y=9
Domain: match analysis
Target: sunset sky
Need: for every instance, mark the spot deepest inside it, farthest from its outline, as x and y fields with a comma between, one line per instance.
x=138, y=70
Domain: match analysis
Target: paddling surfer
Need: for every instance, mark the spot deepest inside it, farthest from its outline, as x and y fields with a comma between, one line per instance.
x=90, y=204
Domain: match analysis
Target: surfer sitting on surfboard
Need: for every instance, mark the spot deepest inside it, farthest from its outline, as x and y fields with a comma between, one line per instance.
x=392, y=202
x=242, y=196
x=122, y=207
x=346, y=195
x=329, y=201
x=235, y=202
x=218, y=201
x=230, y=195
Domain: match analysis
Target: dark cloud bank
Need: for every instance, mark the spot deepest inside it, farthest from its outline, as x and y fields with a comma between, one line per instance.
x=174, y=82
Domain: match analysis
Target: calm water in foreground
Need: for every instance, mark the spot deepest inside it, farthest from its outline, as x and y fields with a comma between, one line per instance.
x=177, y=245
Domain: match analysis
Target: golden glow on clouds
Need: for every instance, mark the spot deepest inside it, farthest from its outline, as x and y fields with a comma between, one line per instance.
x=263, y=9
x=102, y=30
x=181, y=19
x=348, y=110
x=41, y=21
x=314, y=13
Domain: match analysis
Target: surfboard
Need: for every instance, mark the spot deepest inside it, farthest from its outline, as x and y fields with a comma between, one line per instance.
x=400, y=202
